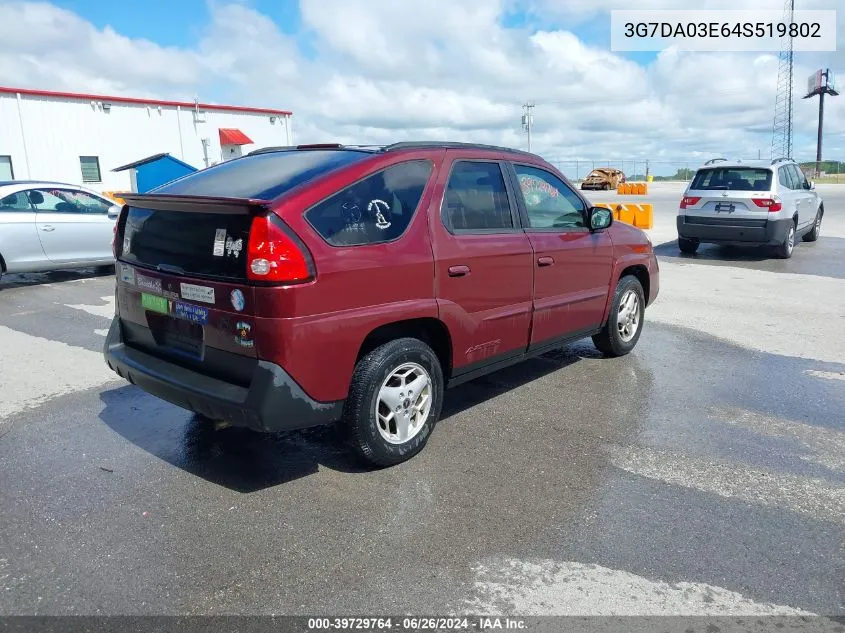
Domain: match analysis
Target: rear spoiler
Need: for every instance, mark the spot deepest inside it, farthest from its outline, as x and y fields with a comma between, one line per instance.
x=197, y=204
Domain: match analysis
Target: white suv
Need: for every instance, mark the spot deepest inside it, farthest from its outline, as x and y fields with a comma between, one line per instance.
x=749, y=203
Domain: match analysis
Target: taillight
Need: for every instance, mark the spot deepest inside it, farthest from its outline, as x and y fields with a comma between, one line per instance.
x=773, y=204
x=114, y=240
x=689, y=201
x=274, y=255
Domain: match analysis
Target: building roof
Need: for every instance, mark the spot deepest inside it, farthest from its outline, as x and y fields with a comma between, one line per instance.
x=151, y=159
x=156, y=102
x=233, y=136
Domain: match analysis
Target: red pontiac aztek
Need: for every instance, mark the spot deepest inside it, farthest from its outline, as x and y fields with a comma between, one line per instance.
x=298, y=286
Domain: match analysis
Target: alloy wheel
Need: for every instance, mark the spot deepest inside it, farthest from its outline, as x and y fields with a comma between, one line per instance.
x=404, y=403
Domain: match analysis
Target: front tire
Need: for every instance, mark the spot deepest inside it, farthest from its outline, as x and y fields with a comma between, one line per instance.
x=394, y=401
x=625, y=321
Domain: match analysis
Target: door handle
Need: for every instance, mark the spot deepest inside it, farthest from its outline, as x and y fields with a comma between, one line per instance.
x=458, y=271
x=48, y=228
x=545, y=261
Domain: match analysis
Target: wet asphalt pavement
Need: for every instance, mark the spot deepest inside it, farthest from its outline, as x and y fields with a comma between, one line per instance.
x=703, y=473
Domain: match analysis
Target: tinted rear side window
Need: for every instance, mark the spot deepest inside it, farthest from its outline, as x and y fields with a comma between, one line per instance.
x=476, y=199
x=798, y=177
x=733, y=179
x=262, y=176
x=376, y=209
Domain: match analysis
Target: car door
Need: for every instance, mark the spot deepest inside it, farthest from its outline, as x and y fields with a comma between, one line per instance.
x=572, y=264
x=73, y=226
x=483, y=263
x=786, y=191
x=19, y=245
x=803, y=196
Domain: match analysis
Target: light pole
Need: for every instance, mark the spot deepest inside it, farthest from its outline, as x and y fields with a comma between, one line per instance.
x=527, y=120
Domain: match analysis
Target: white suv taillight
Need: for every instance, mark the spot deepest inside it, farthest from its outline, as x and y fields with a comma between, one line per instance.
x=773, y=204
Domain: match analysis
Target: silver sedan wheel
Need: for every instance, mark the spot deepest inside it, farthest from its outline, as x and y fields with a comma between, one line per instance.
x=628, y=317
x=404, y=403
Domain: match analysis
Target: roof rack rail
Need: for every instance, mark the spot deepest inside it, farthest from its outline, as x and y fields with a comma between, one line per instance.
x=779, y=160
x=716, y=160
x=448, y=145
x=293, y=148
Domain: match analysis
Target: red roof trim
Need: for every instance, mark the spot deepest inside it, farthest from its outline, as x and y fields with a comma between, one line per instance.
x=233, y=136
x=157, y=102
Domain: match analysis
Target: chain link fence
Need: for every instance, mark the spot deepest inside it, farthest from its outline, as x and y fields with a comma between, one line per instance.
x=639, y=169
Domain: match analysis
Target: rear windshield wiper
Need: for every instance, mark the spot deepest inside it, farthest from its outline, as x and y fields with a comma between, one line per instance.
x=169, y=268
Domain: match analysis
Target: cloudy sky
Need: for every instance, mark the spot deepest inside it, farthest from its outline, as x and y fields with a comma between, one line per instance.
x=374, y=71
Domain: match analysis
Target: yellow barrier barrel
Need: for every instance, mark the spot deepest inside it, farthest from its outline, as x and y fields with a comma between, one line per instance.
x=639, y=215
x=644, y=216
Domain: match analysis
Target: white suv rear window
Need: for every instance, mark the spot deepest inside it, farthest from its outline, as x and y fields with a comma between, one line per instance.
x=733, y=179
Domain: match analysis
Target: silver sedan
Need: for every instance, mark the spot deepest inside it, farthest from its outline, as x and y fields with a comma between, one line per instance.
x=49, y=225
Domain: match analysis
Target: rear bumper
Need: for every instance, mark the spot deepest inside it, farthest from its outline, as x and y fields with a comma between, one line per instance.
x=731, y=231
x=272, y=402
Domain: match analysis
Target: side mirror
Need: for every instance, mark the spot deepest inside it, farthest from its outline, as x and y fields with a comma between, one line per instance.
x=812, y=185
x=114, y=210
x=600, y=218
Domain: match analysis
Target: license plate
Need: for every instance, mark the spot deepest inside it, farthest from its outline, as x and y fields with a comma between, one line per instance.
x=184, y=337
x=728, y=208
x=177, y=335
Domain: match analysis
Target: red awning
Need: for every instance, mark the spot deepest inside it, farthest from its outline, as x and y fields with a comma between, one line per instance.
x=233, y=136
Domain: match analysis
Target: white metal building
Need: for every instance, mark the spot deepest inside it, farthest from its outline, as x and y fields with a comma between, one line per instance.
x=80, y=138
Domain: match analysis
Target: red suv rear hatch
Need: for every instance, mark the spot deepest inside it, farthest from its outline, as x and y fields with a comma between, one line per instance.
x=186, y=271
x=191, y=254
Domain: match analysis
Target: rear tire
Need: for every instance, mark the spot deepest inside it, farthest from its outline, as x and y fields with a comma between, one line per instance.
x=625, y=320
x=785, y=249
x=687, y=246
x=394, y=401
x=813, y=235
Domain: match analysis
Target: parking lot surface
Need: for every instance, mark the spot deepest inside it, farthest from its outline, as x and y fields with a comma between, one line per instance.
x=702, y=474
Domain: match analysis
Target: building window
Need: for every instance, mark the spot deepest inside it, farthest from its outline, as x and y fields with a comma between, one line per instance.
x=6, y=171
x=90, y=168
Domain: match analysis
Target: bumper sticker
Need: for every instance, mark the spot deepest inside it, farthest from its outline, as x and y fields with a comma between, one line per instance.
x=242, y=336
x=238, y=300
x=127, y=274
x=189, y=312
x=155, y=304
x=197, y=293
x=148, y=283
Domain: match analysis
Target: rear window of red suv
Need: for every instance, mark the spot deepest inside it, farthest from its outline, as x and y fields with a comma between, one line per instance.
x=262, y=176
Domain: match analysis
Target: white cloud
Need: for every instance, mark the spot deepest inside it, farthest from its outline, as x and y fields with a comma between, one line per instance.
x=379, y=71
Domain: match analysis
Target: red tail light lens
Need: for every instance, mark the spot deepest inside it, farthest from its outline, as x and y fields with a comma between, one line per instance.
x=689, y=201
x=114, y=240
x=274, y=255
x=773, y=204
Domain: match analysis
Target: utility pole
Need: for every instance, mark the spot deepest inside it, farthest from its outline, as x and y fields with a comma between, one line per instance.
x=821, y=83
x=527, y=120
